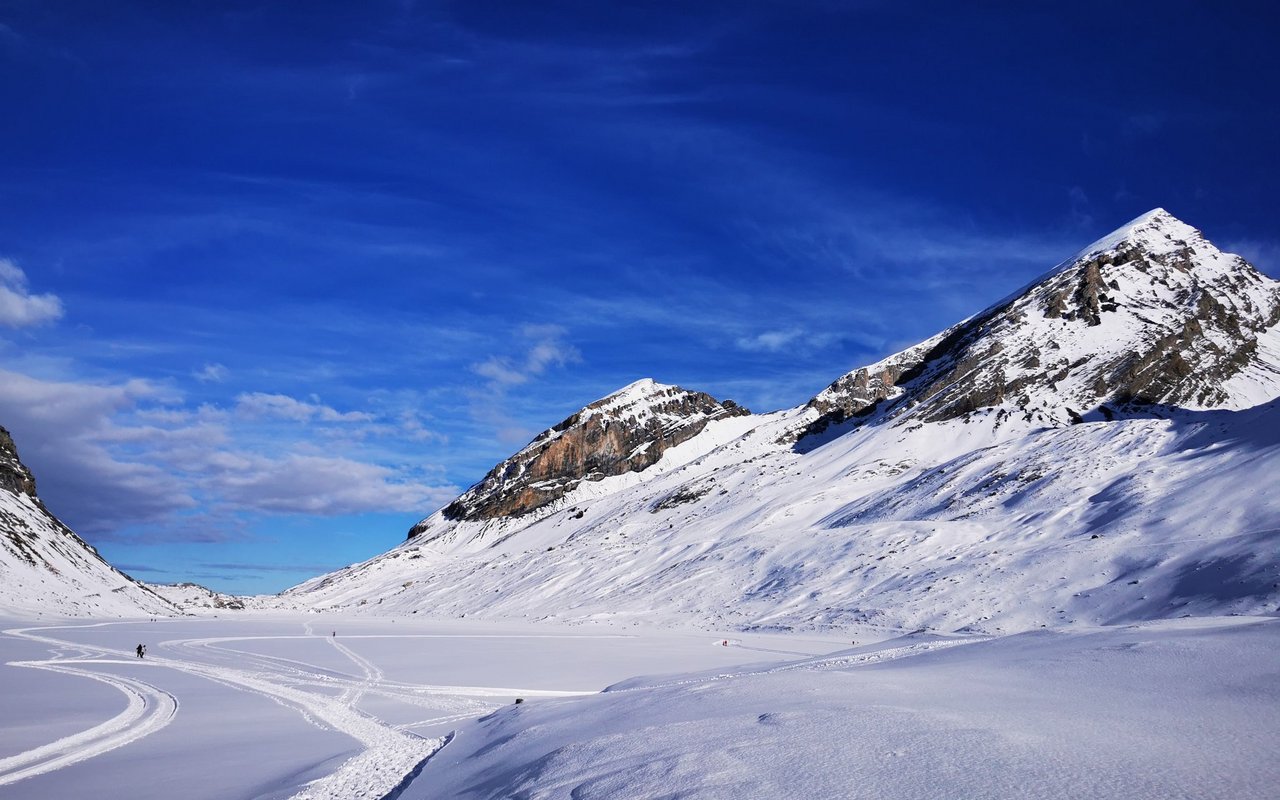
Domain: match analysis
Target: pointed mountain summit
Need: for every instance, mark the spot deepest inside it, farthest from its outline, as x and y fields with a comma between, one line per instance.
x=628, y=431
x=1150, y=314
x=46, y=568
x=950, y=487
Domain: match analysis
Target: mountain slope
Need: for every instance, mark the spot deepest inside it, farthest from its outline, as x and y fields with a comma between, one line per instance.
x=628, y=431
x=1152, y=313
x=46, y=569
x=1092, y=449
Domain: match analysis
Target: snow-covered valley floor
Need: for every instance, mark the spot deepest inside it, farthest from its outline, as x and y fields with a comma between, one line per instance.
x=263, y=706
x=257, y=706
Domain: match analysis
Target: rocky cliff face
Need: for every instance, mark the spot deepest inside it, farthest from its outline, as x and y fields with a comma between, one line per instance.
x=628, y=431
x=14, y=475
x=1152, y=314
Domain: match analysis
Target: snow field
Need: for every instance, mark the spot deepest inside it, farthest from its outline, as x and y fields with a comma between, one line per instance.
x=1183, y=709
x=280, y=707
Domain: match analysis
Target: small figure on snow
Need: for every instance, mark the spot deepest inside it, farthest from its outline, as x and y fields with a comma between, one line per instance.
x=141, y=650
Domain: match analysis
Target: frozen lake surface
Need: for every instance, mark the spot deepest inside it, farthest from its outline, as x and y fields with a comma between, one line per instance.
x=255, y=706
x=315, y=706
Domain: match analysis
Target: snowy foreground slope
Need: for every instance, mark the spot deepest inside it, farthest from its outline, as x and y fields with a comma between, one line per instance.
x=46, y=569
x=1174, y=709
x=1098, y=448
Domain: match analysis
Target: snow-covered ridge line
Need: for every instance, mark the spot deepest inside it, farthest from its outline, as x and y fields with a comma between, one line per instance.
x=1101, y=430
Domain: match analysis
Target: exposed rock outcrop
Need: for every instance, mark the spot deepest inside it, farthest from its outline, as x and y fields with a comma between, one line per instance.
x=14, y=475
x=1152, y=314
x=628, y=431
x=955, y=485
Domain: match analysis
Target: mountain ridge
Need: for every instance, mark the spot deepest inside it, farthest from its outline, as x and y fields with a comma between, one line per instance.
x=625, y=431
x=998, y=475
x=1032, y=338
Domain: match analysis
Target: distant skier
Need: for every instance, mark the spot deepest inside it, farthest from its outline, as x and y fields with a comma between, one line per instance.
x=141, y=650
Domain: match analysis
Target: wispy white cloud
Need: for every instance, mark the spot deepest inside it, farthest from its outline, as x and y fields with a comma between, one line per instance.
x=64, y=431
x=1079, y=201
x=212, y=373
x=542, y=347
x=18, y=307
x=322, y=485
x=412, y=427
x=770, y=341
x=545, y=346
x=500, y=372
x=279, y=406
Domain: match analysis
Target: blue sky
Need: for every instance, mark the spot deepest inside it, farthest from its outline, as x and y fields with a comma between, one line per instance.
x=279, y=279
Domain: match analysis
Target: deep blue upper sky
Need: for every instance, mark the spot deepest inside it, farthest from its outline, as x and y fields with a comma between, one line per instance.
x=279, y=279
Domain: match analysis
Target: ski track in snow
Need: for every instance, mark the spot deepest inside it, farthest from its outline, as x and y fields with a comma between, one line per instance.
x=323, y=696
x=391, y=752
x=372, y=675
x=149, y=709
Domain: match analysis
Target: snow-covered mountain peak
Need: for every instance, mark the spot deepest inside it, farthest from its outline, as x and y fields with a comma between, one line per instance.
x=1156, y=231
x=950, y=487
x=635, y=388
x=635, y=399
x=626, y=431
x=1152, y=313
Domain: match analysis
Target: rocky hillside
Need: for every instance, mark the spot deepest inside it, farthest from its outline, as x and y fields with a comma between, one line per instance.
x=45, y=569
x=193, y=597
x=628, y=431
x=1093, y=449
x=1152, y=314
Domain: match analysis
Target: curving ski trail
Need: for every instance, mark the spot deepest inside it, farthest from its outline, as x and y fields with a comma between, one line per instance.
x=149, y=709
x=372, y=674
x=389, y=753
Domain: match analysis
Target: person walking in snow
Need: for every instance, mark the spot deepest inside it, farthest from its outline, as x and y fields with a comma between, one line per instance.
x=141, y=650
